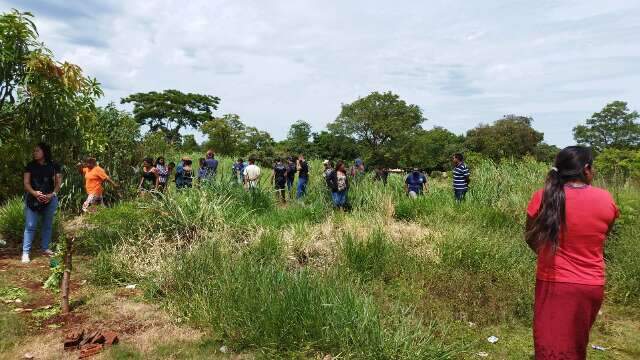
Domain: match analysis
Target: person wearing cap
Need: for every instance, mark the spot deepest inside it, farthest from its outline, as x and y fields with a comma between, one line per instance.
x=415, y=183
x=94, y=177
x=279, y=179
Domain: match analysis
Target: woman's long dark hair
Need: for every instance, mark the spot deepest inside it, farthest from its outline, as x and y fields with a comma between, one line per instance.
x=46, y=151
x=569, y=165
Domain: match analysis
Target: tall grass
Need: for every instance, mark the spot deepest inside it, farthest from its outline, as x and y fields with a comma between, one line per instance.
x=385, y=277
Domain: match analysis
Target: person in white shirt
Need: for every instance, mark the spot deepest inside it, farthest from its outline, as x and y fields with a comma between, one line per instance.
x=251, y=175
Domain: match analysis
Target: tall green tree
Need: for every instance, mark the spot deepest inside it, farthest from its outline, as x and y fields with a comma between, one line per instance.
x=171, y=110
x=297, y=141
x=327, y=145
x=225, y=134
x=381, y=123
x=432, y=149
x=41, y=99
x=511, y=136
x=615, y=126
x=189, y=144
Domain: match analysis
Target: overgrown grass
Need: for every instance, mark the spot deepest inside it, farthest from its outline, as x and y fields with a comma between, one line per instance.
x=236, y=262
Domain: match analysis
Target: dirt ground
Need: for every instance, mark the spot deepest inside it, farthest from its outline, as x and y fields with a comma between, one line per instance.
x=143, y=328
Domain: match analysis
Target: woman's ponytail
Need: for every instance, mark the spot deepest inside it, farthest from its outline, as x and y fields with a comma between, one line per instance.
x=550, y=222
x=551, y=216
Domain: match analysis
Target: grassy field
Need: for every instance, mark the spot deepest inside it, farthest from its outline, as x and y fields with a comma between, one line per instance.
x=395, y=278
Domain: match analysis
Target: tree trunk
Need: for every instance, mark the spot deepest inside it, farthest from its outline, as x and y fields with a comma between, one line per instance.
x=66, y=276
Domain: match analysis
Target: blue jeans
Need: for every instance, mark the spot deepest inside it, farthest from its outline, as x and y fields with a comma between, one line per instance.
x=459, y=193
x=31, y=224
x=339, y=198
x=302, y=187
x=290, y=183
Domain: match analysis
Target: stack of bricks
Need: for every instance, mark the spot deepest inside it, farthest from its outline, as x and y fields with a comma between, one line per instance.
x=89, y=343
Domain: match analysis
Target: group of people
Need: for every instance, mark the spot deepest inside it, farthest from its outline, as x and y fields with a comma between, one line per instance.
x=568, y=221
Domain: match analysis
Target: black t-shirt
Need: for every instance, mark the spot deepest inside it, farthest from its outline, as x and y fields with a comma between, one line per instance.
x=304, y=170
x=43, y=176
x=279, y=172
x=291, y=171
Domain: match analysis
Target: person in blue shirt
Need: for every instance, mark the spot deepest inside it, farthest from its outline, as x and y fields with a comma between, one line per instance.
x=210, y=165
x=415, y=183
x=461, y=175
x=237, y=169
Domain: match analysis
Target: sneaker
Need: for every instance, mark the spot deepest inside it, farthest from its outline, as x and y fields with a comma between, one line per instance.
x=47, y=252
x=25, y=258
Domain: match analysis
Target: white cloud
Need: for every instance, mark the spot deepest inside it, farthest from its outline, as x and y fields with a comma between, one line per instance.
x=278, y=61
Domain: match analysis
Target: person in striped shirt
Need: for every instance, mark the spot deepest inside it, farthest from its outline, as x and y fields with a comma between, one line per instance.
x=460, y=177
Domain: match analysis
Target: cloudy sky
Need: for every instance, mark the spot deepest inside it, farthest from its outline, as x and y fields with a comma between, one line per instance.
x=273, y=62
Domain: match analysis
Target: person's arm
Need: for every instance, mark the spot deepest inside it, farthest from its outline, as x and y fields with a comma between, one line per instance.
x=80, y=167
x=110, y=181
x=26, y=180
x=141, y=181
x=157, y=184
x=528, y=226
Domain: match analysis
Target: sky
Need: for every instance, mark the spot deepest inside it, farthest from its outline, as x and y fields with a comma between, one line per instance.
x=275, y=62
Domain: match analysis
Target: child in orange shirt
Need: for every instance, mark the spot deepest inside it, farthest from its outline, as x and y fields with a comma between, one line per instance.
x=94, y=176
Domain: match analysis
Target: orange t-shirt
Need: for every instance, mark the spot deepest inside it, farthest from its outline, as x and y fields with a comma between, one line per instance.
x=579, y=258
x=93, y=179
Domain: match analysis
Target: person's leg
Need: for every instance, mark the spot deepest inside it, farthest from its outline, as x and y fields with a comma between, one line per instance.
x=302, y=184
x=335, y=199
x=48, y=216
x=87, y=203
x=30, y=226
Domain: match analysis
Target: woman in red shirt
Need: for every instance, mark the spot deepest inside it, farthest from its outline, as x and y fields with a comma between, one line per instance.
x=567, y=224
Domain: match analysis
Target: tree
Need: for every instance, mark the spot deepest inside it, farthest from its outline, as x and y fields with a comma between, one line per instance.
x=545, y=152
x=298, y=138
x=189, y=144
x=40, y=99
x=171, y=110
x=327, y=145
x=511, y=136
x=225, y=134
x=615, y=126
x=432, y=149
x=381, y=124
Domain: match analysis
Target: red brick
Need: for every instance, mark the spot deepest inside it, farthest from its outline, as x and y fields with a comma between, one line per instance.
x=90, y=350
x=110, y=338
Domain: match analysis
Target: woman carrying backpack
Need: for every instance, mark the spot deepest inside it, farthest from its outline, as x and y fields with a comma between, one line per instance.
x=42, y=179
x=568, y=222
x=338, y=181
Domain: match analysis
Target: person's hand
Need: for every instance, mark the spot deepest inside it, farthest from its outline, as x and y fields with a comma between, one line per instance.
x=40, y=196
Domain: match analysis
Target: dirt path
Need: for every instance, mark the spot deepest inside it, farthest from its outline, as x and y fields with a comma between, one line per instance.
x=39, y=328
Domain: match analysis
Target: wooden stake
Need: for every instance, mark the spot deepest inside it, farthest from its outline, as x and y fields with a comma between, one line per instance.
x=66, y=277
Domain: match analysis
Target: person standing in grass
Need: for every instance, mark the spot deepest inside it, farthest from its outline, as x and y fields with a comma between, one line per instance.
x=303, y=176
x=461, y=177
x=211, y=165
x=338, y=182
x=163, y=173
x=251, y=175
x=381, y=174
x=238, y=171
x=279, y=179
x=42, y=179
x=94, y=177
x=415, y=183
x=184, y=174
x=149, y=180
x=291, y=175
x=567, y=224
x=202, y=170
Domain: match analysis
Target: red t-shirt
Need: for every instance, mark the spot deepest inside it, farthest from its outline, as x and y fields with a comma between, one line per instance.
x=579, y=258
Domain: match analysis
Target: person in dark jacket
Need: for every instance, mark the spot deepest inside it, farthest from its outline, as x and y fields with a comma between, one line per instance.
x=338, y=182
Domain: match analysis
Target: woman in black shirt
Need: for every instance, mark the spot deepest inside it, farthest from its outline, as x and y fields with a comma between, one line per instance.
x=42, y=179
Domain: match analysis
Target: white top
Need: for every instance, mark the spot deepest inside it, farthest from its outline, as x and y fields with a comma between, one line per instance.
x=252, y=174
